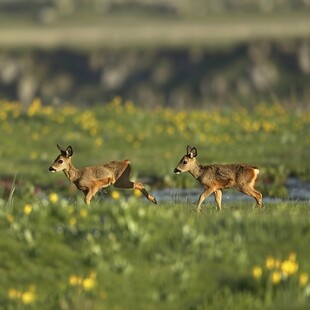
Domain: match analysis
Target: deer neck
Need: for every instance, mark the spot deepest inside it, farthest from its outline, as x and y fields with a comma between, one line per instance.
x=71, y=173
x=196, y=171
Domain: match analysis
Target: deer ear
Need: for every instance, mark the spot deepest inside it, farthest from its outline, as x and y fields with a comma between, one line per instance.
x=193, y=152
x=188, y=149
x=69, y=151
x=62, y=150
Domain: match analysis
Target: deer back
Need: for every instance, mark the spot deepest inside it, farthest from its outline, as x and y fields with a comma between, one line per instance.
x=228, y=175
x=113, y=170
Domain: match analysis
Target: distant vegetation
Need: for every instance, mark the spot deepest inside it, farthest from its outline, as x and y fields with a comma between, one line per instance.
x=51, y=10
x=176, y=53
x=186, y=77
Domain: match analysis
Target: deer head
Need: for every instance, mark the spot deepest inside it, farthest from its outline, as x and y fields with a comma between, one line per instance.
x=188, y=161
x=63, y=160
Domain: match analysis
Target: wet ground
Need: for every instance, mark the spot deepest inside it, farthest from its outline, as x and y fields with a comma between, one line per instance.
x=297, y=190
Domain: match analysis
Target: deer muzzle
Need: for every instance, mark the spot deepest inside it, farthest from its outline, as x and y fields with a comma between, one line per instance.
x=177, y=170
x=52, y=169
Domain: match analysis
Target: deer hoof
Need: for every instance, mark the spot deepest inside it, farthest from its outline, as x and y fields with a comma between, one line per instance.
x=153, y=199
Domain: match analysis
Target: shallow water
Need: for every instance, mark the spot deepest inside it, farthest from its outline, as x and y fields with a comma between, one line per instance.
x=297, y=190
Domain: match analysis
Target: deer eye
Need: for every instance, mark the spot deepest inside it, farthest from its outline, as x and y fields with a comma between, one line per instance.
x=184, y=162
x=60, y=161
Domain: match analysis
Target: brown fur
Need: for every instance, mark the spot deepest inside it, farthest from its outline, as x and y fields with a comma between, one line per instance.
x=90, y=179
x=216, y=177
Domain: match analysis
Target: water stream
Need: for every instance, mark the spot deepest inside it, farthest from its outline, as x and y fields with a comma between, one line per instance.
x=297, y=190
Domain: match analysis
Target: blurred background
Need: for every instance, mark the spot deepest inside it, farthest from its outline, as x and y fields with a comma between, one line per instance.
x=176, y=53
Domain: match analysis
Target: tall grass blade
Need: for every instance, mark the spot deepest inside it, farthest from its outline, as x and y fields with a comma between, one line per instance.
x=9, y=203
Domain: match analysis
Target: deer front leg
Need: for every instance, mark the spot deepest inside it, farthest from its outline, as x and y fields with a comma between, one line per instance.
x=202, y=197
x=94, y=188
x=88, y=196
x=218, y=198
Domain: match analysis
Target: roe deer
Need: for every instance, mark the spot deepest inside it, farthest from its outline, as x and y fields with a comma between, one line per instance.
x=90, y=179
x=216, y=177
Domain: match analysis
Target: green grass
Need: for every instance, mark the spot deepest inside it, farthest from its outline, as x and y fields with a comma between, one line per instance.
x=128, y=254
x=56, y=253
x=271, y=136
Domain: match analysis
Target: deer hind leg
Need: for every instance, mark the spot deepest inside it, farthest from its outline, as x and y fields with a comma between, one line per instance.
x=141, y=188
x=124, y=182
x=250, y=191
x=202, y=197
x=218, y=198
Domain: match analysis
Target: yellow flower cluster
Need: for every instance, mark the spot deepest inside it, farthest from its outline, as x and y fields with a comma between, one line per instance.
x=88, y=122
x=8, y=109
x=213, y=126
x=53, y=197
x=110, y=122
x=204, y=124
x=115, y=195
x=27, y=209
x=277, y=271
x=85, y=283
x=25, y=297
x=35, y=107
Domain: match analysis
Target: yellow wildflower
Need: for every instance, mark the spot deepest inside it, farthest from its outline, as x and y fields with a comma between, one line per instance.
x=53, y=197
x=75, y=280
x=14, y=294
x=10, y=218
x=35, y=107
x=72, y=221
x=28, y=297
x=137, y=193
x=89, y=283
x=270, y=263
x=257, y=272
x=303, y=279
x=276, y=277
x=115, y=195
x=289, y=267
x=27, y=209
x=83, y=213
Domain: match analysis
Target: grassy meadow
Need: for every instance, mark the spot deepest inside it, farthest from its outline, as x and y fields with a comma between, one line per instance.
x=272, y=136
x=122, y=252
x=125, y=253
